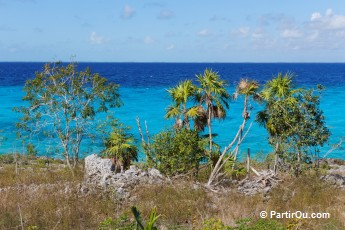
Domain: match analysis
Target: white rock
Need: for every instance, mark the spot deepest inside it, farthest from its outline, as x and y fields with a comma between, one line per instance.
x=96, y=165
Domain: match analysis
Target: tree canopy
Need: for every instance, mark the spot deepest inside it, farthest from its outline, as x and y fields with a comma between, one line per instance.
x=292, y=116
x=62, y=103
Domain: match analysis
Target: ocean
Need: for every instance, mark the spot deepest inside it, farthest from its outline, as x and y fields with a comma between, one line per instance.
x=143, y=90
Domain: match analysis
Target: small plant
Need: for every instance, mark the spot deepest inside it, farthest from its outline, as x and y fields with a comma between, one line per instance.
x=121, y=223
x=119, y=146
x=214, y=224
x=150, y=223
x=31, y=151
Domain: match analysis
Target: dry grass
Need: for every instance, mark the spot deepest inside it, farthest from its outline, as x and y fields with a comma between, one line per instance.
x=48, y=197
x=180, y=205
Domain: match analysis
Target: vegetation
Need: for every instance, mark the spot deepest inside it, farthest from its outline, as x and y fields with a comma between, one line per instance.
x=213, y=100
x=176, y=151
x=62, y=102
x=247, y=89
x=180, y=95
x=180, y=205
x=293, y=119
x=119, y=146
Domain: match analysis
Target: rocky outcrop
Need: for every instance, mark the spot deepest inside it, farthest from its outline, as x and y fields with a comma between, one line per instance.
x=335, y=173
x=98, y=176
x=262, y=183
x=335, y=180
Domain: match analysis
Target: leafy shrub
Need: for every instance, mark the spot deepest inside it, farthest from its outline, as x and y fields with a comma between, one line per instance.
x=30, y=150
x=175, y=151
x=7, y=159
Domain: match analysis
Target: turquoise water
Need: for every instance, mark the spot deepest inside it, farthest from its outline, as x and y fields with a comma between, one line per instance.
x=143, y=91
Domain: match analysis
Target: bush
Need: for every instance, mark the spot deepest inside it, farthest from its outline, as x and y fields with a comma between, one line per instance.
x=31, y=150
x=175, y=151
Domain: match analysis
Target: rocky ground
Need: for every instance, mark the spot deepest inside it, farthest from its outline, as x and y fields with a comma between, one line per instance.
x=98, y=176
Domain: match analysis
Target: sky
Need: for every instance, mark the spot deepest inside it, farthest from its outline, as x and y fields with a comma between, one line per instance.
x=172, y=31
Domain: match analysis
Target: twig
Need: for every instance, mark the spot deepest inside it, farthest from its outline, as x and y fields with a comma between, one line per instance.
x=334, y=147
x=147, y=134
x=57, y=223
x=140, y=132
x=254, y=170
x=21, y=218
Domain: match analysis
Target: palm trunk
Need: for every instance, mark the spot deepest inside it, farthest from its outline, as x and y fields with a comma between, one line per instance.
x=221, y=161
x=209, y=128
x=185, y=117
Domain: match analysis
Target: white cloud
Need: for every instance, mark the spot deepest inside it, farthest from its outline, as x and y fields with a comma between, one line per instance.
x=165, y=14
x=315, y=16
x=171, y=47
x=148, y=40
x=96, y=39
x=291, y=33
x=128, y=12
x=204, y=32
x=330, y=20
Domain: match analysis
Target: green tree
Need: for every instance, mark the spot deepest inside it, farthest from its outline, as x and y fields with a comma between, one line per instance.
x=62, y=103
x=213, y=100
x=276, y=92
x=119, y=146
x=180, y=96
x=292, y=117
x=175, y=151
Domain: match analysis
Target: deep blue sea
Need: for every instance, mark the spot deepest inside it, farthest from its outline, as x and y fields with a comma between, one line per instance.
x=143, y=91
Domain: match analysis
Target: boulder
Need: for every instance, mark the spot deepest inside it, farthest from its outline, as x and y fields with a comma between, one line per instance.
x=96, y=165
x=98, y=175
x=334, y=179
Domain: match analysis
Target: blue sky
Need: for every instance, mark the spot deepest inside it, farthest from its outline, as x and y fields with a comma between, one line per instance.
x=173, y=31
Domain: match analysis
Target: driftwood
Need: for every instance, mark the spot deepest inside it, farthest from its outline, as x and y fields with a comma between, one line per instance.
x=261, y=183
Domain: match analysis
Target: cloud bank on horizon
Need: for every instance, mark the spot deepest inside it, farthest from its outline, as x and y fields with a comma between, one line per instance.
x=172, y=31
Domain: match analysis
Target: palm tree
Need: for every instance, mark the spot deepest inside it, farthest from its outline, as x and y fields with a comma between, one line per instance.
x=120, y=148
x=213, y=100
x=247, y=89
x=180, y=95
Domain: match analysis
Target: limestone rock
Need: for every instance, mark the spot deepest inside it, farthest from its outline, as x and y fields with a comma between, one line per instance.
x=96, y=165
x=334, y=179
x=98, y=175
